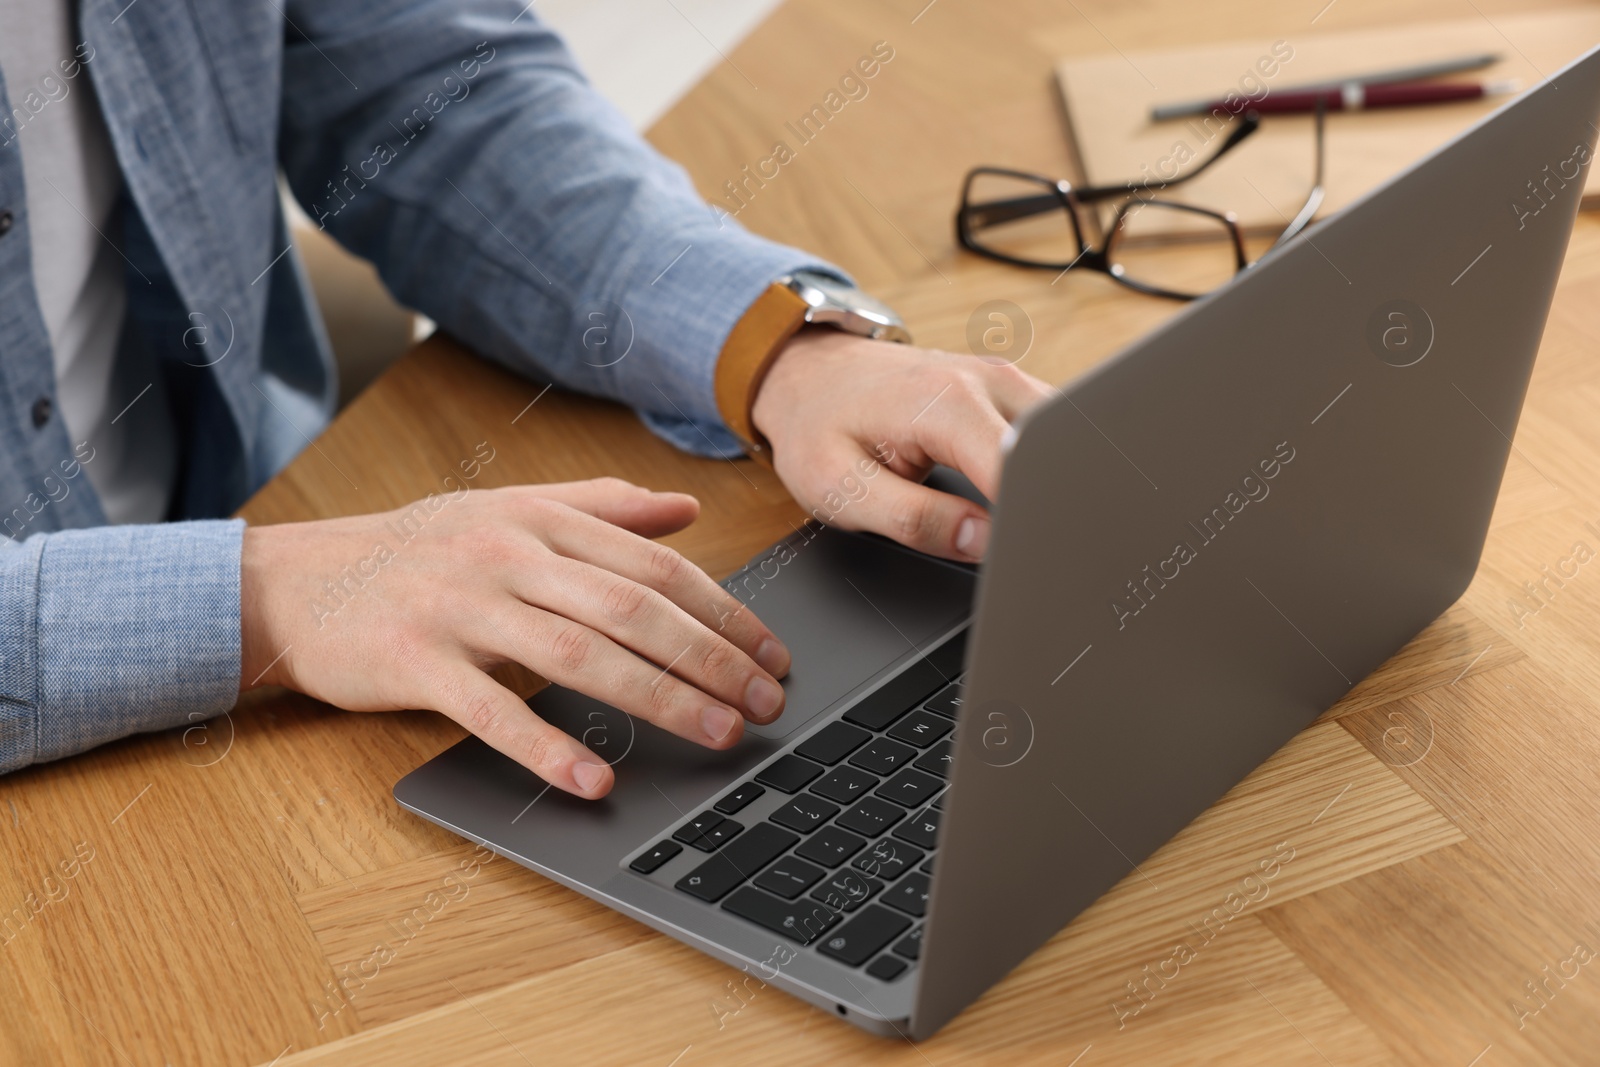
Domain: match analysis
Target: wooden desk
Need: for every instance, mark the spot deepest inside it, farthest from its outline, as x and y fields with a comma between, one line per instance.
x=1442, y=819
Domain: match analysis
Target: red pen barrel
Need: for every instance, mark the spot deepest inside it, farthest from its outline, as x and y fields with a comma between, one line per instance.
x=1370, y=96
x=1409, y=95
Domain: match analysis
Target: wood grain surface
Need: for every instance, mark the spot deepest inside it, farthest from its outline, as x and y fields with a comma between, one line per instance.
x=249, y=892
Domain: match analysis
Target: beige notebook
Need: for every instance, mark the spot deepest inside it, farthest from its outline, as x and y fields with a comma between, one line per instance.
x=1266, y=179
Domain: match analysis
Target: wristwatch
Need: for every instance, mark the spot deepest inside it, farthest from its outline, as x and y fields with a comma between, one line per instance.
x=805, y=297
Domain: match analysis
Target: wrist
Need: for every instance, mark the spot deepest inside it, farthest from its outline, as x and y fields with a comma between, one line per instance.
x=261, y=662
x=794, y=365
x=794, y=304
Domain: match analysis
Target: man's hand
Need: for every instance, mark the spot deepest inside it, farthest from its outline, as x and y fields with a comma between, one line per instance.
x=409, y=608
x=837, y=409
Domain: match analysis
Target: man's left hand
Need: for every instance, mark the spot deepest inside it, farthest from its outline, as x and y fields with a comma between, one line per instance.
x=855, y=425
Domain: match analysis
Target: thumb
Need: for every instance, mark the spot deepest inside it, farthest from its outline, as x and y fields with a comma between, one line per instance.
x=632, y=507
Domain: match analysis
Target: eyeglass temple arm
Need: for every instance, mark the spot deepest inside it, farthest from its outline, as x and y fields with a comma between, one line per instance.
x=1313, y=203
x=1248, y=124
x=994, y=212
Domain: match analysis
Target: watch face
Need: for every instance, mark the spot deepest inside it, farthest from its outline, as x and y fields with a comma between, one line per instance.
x=825, y=291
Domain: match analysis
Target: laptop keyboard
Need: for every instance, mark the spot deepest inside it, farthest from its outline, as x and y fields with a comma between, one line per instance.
x=844, y=863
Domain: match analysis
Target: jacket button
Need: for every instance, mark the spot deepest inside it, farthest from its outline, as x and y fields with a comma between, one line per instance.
x=41, y=411
x=6, y=220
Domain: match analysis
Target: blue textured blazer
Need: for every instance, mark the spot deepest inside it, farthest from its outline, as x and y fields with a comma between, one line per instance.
x=451, y=142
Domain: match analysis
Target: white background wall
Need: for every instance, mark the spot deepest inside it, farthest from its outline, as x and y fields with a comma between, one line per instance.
x=645, y=54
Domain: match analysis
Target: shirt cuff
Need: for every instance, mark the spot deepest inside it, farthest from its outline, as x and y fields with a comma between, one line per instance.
x=694, y=436
x=697, y=304
x=115, y=631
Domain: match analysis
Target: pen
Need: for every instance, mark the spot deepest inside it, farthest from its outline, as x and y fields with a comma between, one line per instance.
x=1357, y=97
x=1457, y=65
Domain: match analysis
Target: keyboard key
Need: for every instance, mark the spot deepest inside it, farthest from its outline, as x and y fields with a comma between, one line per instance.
x=790, y=774
x=737, y=799
x=938, y=805
x=884, y=756
x=908, y=689
x=946, y=701
x=921, y=728
x=744, y=856
x=803, y=920
x=804, y=813
x=789, y=877
x=653, y=859
x=923, y=830
x=927, y=868
x=871, y=817
x=887, y=968
x=859, y=939
x=718, y=835
x=693, y=832
x=830, y=846
x=845, y=784
x=937, y=760
x=910, y=788
x=833, y=742
x=910, y=946
x=910, y=895
x=846, y=890
x=886, y=859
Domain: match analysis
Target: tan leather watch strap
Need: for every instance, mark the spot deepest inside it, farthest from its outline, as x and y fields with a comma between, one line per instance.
x=747, y=355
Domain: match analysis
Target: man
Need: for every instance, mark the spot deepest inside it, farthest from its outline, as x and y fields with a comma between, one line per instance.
x=160, y=359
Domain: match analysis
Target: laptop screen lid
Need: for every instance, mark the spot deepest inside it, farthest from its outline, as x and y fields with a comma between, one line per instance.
x=1209, y=539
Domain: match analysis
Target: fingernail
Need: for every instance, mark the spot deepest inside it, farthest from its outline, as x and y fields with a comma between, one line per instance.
x=763, y=698
x=972, y=537
x=588, y=775
x=773, y=657
x=718, y=722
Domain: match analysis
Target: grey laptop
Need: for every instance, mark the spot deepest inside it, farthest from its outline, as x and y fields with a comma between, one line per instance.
x=1201, y=545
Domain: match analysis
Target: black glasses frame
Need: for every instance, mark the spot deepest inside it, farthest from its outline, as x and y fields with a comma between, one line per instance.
x=972, y=217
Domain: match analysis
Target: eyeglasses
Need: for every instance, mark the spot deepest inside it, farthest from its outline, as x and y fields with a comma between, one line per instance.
x=1015, y=217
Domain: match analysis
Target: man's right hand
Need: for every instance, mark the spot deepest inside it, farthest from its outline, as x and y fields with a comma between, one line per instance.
x=411, y=608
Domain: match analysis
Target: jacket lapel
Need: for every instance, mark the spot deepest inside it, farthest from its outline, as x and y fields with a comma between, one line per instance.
x=209, y=206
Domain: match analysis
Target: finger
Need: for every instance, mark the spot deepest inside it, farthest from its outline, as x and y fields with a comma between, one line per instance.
x=647, y=622
x=573, y=655
x=667, y=572
x=927, y=520
x=508, y=725
x=963, y=429
x=634, y=508
x=1012, y=390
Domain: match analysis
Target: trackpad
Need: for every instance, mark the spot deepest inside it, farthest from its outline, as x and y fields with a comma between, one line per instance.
x=847, y=606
